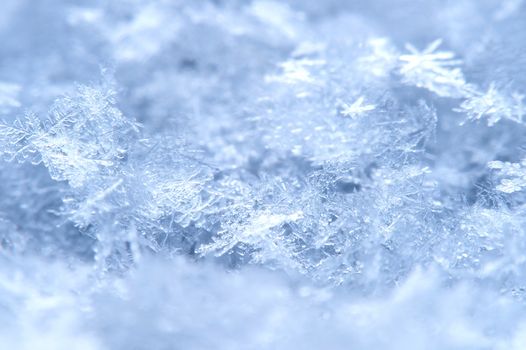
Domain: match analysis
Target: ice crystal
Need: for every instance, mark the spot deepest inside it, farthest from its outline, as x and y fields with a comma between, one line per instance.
x=296, y=71
x=494, y=106
x=514, y=173
x=356, y=108
x=78, y=140
x=434, y=70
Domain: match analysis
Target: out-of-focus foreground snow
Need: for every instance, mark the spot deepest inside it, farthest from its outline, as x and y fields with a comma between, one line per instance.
x=231, y=174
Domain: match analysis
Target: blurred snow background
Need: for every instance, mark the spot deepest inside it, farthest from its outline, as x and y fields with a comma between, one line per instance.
x=231, y=174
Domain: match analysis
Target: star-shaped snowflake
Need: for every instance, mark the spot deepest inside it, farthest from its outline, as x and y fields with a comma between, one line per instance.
x=357, y=108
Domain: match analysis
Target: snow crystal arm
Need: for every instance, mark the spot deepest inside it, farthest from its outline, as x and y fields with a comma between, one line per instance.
x=16, y=140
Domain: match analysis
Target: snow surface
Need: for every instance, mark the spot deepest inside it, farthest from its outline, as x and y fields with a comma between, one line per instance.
x=228, y=174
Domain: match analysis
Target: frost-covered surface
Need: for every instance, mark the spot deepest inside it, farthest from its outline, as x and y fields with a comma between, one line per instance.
x=180, y=174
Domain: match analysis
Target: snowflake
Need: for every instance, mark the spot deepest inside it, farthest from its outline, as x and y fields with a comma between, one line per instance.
x=494, y=105
x=80, y=138
x=94, y=204
x=515, y=173
x=357, y=108
x=262, y=231
x=296, y=71
x=433, y=70
x=381, y=58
